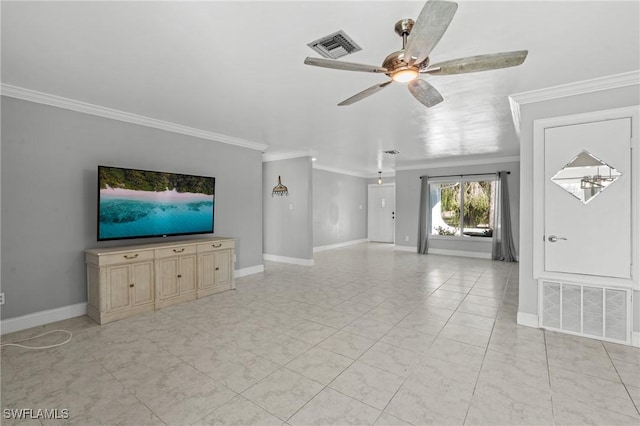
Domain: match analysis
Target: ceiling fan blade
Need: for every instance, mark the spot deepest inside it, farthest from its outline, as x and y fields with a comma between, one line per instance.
x=367, y=92
x=347, y=66
x=425, y=93
x=492, y=61
x=431, y=24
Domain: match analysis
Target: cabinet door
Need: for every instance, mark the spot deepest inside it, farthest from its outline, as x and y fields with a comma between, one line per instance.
x=118, y=290
x=223, y=268
x=187, y=275
x=207, y=267
x=143, y=289
x=168, y=277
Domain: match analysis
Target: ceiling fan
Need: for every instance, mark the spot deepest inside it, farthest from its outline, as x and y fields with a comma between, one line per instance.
x=413, y=59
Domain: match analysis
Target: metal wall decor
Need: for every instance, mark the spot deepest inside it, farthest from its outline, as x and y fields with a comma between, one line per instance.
x=280, y=189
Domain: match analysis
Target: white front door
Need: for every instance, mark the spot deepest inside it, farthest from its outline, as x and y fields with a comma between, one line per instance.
x=382, y=213
x=587, y=198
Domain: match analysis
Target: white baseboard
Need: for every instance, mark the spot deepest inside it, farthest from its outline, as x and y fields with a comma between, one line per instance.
x=41, y=318
x=284, y=259
x=339, y=245
x=243, y=272
x=528, y=320
x=461, y=253
x=635, y=339
x=406, y=248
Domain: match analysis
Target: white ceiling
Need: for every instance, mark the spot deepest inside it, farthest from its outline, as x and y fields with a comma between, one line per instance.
x=236, y=69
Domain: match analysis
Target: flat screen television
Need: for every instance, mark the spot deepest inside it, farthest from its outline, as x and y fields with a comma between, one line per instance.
x=141, y=203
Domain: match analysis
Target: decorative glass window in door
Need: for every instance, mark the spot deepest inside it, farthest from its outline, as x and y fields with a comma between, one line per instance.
x=585, y=176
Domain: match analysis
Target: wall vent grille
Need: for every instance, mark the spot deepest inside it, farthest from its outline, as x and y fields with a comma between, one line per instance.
x=590, y=311
x=335, y=45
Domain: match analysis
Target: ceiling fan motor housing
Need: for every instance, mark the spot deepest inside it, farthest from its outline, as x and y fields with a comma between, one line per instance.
x=395, y=62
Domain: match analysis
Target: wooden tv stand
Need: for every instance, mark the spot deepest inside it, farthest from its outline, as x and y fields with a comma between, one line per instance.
x=129, y=280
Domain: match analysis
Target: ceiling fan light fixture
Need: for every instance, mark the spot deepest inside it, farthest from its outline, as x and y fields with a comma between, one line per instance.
x=405, y=76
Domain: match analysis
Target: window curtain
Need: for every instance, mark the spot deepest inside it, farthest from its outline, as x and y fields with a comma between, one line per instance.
x=503, y=247
x=424, y=219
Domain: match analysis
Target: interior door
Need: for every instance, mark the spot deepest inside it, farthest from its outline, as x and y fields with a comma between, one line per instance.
x=382, y=212
x=587, y=198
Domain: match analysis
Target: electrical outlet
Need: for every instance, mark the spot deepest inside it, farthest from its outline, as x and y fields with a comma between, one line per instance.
x=2, y=298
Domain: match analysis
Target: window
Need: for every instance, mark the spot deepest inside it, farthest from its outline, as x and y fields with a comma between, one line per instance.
x=462, y=208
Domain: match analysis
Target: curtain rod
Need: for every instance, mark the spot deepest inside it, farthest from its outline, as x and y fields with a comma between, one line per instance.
x=469, y=174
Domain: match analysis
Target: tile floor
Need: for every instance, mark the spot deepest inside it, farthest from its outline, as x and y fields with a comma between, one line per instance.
x=366, y=336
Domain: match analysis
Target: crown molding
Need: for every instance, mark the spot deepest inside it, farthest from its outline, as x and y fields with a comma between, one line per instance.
x=342, y=171
x=471, y=162
x=577, y=88
x=375, y=175
x=285, y=155
x=114, y=114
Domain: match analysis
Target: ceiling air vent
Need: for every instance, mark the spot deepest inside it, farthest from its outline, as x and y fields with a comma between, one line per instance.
x=335, y=45
x=392, y=152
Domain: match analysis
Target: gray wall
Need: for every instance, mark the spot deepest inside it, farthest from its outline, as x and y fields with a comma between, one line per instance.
x=408, y=203
x=287, y=221
x=49, y=195
x=339, y=208
x=595, y=101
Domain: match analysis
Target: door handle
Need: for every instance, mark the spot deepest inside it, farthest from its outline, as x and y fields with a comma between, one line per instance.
x=553, y=238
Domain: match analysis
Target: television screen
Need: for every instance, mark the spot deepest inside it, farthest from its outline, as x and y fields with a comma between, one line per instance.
x=141, y=203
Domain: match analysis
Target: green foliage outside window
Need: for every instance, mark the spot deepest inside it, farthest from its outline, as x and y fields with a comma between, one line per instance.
x=450, y=204
x=477, y=204
x=477, y=198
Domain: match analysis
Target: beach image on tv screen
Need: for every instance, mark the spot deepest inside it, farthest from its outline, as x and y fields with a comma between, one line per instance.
x=139, y=203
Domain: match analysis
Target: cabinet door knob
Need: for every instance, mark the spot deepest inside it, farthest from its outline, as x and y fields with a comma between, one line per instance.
x=217, y=269
x=179, y=275
x=131, y=285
